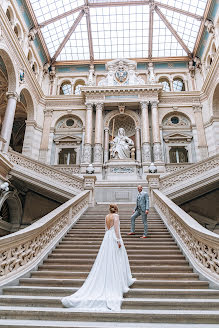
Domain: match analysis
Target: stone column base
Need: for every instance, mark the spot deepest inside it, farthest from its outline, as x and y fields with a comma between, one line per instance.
x=146, y=153
x=157, y=152
x=87, y=154
x=98, y=153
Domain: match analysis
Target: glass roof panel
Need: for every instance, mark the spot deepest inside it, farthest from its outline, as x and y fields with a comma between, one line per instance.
x=164, y=43
x=77, y=47
x=46, y=9
x=186, y=26
x=193, y=6
x=55, y=32
x=120, y=32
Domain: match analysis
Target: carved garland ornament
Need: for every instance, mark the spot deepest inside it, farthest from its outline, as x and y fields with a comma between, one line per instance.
x=14, y=258
x=196, y=170
x=204, y=254
x=72, y=182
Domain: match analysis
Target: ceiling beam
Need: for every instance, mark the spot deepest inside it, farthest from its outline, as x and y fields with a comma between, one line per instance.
x=117, y=3
x=180, y=11
x=68, y=35
x=33, y=16
x=90, y=40
x=202, y=26
x=151, y=24
x=138, y=60
x=172, y=30
x=54, y=19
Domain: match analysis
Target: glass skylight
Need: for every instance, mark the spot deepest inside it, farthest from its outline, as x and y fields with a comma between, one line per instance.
x=118, y=31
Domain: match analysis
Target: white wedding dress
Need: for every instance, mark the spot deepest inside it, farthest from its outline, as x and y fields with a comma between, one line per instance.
x=109, y=277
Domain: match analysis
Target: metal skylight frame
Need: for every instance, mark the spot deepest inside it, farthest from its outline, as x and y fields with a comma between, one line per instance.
x=167, y=11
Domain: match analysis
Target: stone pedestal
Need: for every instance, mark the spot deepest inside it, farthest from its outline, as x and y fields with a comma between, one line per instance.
x=121, y=169
x=89, y=184
x=153, y=183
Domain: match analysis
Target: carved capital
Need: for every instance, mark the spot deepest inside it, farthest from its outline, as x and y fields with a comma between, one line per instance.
x=144, y=104
x=154, y=103
x=99, y=106
x=12, y=95
x=197, y=108
x=89, y=106
x=48, y=112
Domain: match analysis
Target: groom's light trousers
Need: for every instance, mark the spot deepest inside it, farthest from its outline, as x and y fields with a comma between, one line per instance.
x=144, y=220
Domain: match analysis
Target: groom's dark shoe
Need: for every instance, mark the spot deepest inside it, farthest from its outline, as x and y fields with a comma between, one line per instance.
x=131, y=233
x=144, y=236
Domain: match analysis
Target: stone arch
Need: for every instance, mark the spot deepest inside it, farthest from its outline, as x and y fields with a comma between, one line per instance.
x=176, y=114
x=18, y=31
x=181, y=79
x=65, y=82
x=215, y=100
x=11, y=71
x=114, y=113
x=10, y=14
x=77, y=83
x=14, y=205
x=162, y=79
x=61, y=117
x=29, y=103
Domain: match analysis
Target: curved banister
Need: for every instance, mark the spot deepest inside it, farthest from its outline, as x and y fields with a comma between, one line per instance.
x=200, y=245
x=24, y=249
x=176, y=180
x=47, y=172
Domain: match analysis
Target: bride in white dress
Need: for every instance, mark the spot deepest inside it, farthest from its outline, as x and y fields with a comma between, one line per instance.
x=110, y=275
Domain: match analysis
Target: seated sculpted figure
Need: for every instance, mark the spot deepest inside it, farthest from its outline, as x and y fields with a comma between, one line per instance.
x=121, y=145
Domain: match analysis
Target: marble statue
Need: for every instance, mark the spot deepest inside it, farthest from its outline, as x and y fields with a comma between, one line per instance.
x=121, y=72
x=121, y=146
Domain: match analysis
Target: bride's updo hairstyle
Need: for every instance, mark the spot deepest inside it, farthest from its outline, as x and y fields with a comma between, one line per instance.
x=113, y=208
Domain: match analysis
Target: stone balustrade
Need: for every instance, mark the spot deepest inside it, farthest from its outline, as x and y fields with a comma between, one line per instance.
x=201, y=173
x=200, y=246
x=23, y=250
x=23, y=164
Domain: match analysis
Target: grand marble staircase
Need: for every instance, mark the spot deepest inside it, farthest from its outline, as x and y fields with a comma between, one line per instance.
x=167, y=292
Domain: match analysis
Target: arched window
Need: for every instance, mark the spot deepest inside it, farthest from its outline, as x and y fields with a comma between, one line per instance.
x=65, y=88
x=16, y=31
x=10, y=15
x=30, y=57
x=166, y=84
x=178, y=155
x=78, y=85
x=178, y=84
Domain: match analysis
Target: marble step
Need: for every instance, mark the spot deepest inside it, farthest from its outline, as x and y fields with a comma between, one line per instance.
x=132, y=263
x=138, y=275
x=93, y=252
x=160, y=316
x=4, y=323
x=136, y=238
x=132, y=258
x=134, y=303
x=132, y=293
x=191, y=284
x=139, y=248
x=135, y=269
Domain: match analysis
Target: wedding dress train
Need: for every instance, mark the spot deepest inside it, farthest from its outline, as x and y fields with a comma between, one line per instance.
x=109, y=277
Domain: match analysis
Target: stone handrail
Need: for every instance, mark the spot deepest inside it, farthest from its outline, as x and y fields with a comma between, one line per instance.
x=172, y=167
x=23, y=250
x=46, y=172
x=190, y=175
x=200, y=246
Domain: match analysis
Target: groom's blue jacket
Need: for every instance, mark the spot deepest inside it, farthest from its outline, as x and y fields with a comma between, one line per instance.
x=143, y=202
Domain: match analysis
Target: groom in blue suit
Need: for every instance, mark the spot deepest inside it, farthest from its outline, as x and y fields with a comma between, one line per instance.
x=142, y=208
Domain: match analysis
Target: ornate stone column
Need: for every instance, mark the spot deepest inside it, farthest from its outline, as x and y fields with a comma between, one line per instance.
x=202, y=143
x=8, y=121
x=138, y=144
x=106, y=145
x=88, y=134
x=45, y=135
x=157, y=152
x=98, y=150
x=146, y=148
